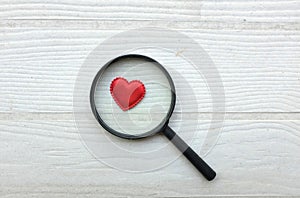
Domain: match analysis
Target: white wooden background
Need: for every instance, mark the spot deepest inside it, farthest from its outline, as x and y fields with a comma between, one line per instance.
x=254, y=44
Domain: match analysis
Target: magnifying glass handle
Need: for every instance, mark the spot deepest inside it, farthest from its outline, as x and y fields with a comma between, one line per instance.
x=193, y=157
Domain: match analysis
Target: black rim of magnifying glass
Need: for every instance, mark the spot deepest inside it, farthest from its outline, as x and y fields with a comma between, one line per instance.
x=157, y=129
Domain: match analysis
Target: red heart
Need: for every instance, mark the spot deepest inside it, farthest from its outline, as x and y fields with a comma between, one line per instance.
x=127, y=94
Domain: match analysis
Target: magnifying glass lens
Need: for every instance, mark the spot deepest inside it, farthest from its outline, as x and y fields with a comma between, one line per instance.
x=133, y=96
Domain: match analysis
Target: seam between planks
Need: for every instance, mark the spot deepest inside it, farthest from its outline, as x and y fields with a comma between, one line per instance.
x=263, y=116
x=130, y=24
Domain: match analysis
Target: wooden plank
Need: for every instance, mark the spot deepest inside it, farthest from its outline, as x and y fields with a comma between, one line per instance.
x=172, y=10
x=44, y=157
x=259, y=68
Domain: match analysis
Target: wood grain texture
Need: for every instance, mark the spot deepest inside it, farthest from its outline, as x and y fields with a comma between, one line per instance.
x=254, y=44
x=172, y=10
x=259, y=69
x=47, y=158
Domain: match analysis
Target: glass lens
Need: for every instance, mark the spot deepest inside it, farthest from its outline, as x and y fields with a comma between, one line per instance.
x=133, y=96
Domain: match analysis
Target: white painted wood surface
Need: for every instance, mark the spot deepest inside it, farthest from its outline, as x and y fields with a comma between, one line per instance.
x=254, y=44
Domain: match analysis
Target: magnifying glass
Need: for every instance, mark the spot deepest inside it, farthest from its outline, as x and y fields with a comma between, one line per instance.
x=133, y=96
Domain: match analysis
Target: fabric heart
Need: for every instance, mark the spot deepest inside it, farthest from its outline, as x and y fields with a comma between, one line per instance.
x=127, y=94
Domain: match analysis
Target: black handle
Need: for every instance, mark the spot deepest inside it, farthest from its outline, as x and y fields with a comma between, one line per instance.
x=193, y=157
